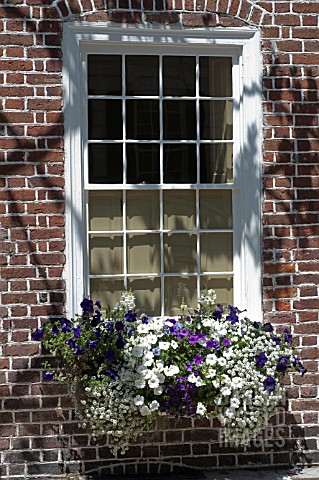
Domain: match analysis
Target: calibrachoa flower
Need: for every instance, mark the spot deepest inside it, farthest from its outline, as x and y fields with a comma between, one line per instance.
x=125, y=369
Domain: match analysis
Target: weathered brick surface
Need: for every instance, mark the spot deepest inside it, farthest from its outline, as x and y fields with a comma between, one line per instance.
x=39, y=436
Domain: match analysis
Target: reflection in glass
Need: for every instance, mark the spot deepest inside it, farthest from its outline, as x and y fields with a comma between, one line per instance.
x=215, y=77
x=179, y=119
x=142, y=74
x=105, y=163
x=147, y=292
x=105, y=119
x=223, y=287
x=142, y=210
x=105, y=210
x=108, y=291
x=143, y=253
x=104, y=75
x=216, y=119
x=177, y=289
x=180, y=163
x=142, y=119
x=216, y=252
x=215, y=209
x=106, y=254
x=179, y=209
x=179, y=76
x=216, y=163
x=180, y=253
x=143, y=163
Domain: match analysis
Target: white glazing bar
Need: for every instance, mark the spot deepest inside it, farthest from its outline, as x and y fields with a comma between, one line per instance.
x=161, y=182
x=124, y=175
x=198, y=175
x=166, y=186
x=170, y=274
x=203, y=230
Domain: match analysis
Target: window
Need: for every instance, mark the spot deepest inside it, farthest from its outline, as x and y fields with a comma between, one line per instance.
x=162, y=174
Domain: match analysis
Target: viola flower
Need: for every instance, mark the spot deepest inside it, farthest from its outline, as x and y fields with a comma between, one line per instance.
x=37, y=334
x=260, y=360
x=87, y=305
x=110, y=354
x=47, y=376
x=269, y=384
x=65, y=325
x=77, y=332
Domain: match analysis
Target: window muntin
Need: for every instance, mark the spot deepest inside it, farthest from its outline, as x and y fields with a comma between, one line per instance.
x=163, y=225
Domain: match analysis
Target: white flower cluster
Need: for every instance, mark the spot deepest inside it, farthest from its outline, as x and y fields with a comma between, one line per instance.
x=125, y=303
x=106, y=409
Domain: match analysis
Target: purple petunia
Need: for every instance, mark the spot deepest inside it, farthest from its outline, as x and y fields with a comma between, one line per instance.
x=145, y=320
x=55, y=330
x=71, y=343
x=269, y=384
x=119, y=326
x=260, y=360
x=87, y=305
x=189, y=367
x=37, y=334
x=77, y=332
x=268, y=327
x=299, y=366
x=130, y=316
x=65, y=325
x=47, y=376
x=92, y=344
x=120, y=342
x=182, y=333
x=98, y=303
x=232, y=316
x=110, y=354
x=198, y=359
x=112, y=373
x=276, y=340
x=226, y=342
x=287, y=336
x=79, y=351
x=283, y=364
x=213, y=344
x=192, y=339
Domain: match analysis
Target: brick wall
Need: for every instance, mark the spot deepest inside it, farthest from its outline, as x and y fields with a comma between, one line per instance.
x=38, y=433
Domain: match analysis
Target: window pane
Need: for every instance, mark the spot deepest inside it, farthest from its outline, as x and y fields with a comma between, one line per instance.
x=142, y=75
x=179, y=209
x=215, y=77
x=108, y=291
x=143, y=212
x=142, y=119
x=143, y=163
x=104, y=75
x=216, y=252
x=177, y=290
x=105, y=210
x=147, y=292
x=179, y=76
x=216, y=119
x=216, y=163
x=180, y=163
x=215, y=209
x=106, y=254
x=179, y=119
x=105, y=163
x=143, y=253
x=223, y=287
x=180, y=253
x=105, y=119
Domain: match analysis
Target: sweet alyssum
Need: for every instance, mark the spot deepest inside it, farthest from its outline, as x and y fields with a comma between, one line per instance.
x=126, y=369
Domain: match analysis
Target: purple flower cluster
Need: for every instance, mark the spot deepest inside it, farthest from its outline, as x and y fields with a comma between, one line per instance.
x=178, y=399
x=260, y=360
x=232, y=316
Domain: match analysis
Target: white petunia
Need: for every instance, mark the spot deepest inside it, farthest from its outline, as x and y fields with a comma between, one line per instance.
x=154, y=405
x=139, y=400
x=137, y=351
x=158, y=390
x=201, y=409
x=145, y=411
x=171, y=370
x=143, y=328
x=174, y=344
x=164, y=345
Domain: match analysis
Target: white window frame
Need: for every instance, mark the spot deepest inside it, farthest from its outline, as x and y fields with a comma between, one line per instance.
x=240, y=43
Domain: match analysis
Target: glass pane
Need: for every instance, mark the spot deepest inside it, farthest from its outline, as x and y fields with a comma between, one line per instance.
x=104, y=75
x=143, y=211
x=180, y=253
x=105, y=163
x=216, y=163
x=215, y=209
x=177, y=290
x=180, y=163
x=142, y=77
x=223, y=287
x=143, y=163
x=108, y=291
x=106, y=254
x=142, y=119
x=179, y=76
x=105, y=119
x=215, y=77
x=216, y=119
x=105, y=210
x=147, y=292
x=179, y=119
x=216, y=252
x=179, y=209
x=143, y=253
